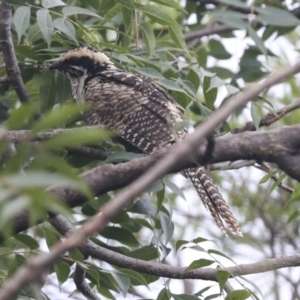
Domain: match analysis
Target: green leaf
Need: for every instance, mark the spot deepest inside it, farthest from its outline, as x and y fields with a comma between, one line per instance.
x=39, y=179
x=199, y=240
x=143, y=207
x=148, y=37
x=235, y=3
x=170, y=85
x=76, y=138
x=27, y=240
x=45, y=23
x=257, y=40
x=231, y=18
x=76, y=255
x=75, y=10
x=123, y=156
x=200, y=263
x=167, y=226
x=135, y=277
x=231, y=90
x=209, y=95
x=62, y=270
x=21, y=20
x=222, y=277
x=180, y=243
x=217, y=50
x=22, y=116
x=276, y=183
x=51, y=236
x=267, y=177
x=177, y=36
x=121, y=235
x=293, y=216
x=58, y=117
x=295, y=196
x=255, y=114
x=276, y=16
x=169, y=3
x=160, y=198
x=156, y=15
x=27, y=51
x=127, y=17
x=150, y=72
x=184, y=297
x=115, y=10
x=212, y=251
x=63, y=89
x=17, y=262
x=66, y=27
x=52, y=3
x=194, y=78
x=174, y=188
x=123, y=282
x=145, y=253
x=163, y=295
x=238, y=295
x=47, y=92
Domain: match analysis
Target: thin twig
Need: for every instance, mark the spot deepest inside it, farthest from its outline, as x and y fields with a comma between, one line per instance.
x=81, y=284
x=209, y=30
x=265, y=167
x=270, y=118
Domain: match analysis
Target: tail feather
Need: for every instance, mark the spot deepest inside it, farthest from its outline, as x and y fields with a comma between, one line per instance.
x=213, y=200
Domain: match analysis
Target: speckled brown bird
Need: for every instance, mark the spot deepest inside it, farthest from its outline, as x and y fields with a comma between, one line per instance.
x=137, y=110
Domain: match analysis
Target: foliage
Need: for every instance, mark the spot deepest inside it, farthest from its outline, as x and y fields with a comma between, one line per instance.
x=152, y=38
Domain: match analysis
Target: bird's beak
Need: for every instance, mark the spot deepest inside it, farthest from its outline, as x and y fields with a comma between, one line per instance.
x=56, y=66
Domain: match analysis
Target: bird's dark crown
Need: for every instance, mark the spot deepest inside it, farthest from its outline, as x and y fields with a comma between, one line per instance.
x=82, y=60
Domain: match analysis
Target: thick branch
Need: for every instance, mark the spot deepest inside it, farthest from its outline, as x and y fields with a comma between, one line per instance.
x=9, y=56
x=280, y=146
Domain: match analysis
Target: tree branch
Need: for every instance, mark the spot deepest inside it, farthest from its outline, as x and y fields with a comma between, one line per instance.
x=164, y=270
x=4, y=80
x=244, y=146
x=30, y=272
x=266, y=168
x=270, y=118
x=9, y=56
x=209, y=30
x=82, y=286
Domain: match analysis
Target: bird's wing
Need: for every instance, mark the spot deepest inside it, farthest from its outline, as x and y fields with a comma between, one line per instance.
x=139, y=110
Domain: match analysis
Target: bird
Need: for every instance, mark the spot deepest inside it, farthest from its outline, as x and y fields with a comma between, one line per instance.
x=140, y=112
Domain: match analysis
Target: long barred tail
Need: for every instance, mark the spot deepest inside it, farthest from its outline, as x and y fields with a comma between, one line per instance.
x=213, y=200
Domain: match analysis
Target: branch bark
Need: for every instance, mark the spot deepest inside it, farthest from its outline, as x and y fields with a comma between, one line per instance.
x=279, y=146
x=82, y=286
x=9, y=56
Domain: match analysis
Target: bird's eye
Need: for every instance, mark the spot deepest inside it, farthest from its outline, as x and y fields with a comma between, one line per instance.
x=75, y=72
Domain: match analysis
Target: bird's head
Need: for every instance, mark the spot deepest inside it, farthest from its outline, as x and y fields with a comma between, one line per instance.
x=82, y=62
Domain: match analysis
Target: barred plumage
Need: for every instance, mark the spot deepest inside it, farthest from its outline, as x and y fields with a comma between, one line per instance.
x=140, y=112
